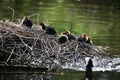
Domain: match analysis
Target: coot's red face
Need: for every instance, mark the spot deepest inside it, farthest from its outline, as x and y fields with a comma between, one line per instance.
x=84, y=36
x=42, y=24
x=66, y=33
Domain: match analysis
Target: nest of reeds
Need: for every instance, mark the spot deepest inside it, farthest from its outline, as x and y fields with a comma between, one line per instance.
x=22, y=46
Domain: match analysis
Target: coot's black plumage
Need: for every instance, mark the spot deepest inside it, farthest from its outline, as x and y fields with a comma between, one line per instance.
x=27, y=22
x=62, y=39
x=48, y=29
x=82, y=38
x=71, y=37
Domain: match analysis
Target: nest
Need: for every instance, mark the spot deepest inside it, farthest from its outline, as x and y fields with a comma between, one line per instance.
x=33, y=47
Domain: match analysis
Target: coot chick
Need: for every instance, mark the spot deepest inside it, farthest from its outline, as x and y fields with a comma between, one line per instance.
x=48, y=29
x=70, y=36
x=89, y=41
x=82, y=38
x=27, y=22
x=62, y=39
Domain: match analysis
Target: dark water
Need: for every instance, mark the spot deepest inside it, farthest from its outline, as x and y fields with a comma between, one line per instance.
x=100, y=19
x=65, y=75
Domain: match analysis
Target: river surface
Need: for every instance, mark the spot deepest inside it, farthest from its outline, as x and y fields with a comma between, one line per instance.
x=100, y=19
x=65, y=75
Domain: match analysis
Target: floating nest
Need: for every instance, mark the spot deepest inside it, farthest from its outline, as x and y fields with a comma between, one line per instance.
x=33, y=47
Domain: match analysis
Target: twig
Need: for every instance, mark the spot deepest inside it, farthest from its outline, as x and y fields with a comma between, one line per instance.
x=33, y=15
x=13, y=13
x=71, y=27
x=38, y=18
x=10, y=55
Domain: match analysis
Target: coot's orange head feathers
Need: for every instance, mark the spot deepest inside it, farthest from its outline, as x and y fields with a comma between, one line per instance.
x=66, y=32
x=84, y=36
x=41, y=23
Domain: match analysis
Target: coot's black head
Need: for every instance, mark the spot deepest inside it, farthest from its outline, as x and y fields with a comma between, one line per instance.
x=27, y=22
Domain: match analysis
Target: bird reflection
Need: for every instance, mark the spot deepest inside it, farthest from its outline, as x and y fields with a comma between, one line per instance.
x=47, y=77
x=88, y=72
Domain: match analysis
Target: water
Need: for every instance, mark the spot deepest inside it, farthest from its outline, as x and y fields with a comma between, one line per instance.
x=66, y=75
x=98, y=19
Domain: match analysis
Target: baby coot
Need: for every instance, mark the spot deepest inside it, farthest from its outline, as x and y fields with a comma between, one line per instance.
x=70, y=36
x=89, y=41
x=62, y=39
x=82, y=38
x=48, y=29
x=27, y=22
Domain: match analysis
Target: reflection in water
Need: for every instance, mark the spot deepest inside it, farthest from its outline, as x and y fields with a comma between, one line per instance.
x=103, y=76
x=67, y=75
x=24, y=77
x=20, y=77
x=47, y=77
x=89, y=72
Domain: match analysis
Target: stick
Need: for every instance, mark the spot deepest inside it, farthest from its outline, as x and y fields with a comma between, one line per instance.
x=10, y=55
x=38, y=18
x=71, y=27
x=13, y=13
